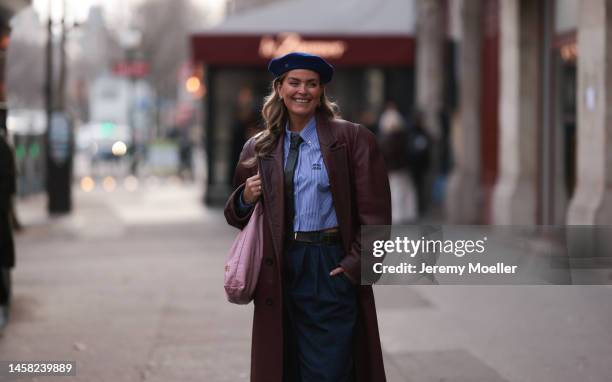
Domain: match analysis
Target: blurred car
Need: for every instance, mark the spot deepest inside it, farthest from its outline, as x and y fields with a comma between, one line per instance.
x=103, y=140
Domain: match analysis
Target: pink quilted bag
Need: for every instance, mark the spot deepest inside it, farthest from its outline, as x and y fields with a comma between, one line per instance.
x=244, y=260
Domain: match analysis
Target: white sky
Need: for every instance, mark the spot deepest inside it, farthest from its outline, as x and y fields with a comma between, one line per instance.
x=115, y=10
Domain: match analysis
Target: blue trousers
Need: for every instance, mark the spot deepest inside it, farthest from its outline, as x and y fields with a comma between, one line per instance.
x=319, y=316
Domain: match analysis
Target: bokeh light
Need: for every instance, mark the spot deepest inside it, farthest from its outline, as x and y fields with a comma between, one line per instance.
x=88, y=184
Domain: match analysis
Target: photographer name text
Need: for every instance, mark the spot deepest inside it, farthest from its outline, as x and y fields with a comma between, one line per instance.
x=406, y=268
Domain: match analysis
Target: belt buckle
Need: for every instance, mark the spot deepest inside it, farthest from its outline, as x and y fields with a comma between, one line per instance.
x=328, y=239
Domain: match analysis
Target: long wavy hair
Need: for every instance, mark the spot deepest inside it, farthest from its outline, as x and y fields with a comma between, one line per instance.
x=274, y=114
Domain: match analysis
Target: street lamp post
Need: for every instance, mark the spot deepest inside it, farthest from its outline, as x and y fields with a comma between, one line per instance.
x=59, y=133
x=130, y=41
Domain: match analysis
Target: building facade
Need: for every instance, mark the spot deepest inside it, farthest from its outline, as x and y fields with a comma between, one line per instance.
x=532, y=129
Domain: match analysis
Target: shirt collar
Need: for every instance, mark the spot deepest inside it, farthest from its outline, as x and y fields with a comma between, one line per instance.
x=308, y=133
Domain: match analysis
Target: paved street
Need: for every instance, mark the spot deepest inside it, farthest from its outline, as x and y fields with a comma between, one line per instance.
x=130, y=287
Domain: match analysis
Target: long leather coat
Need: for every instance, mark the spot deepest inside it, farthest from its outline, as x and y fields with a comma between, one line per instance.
x=360, y=192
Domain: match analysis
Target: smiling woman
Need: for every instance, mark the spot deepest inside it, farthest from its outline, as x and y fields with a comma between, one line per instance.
x=319, y=178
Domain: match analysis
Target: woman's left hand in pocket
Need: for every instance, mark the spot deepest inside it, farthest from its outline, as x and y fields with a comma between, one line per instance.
x=340, y=270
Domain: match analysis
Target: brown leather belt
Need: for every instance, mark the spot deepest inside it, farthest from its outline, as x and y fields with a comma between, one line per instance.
x=315, y=237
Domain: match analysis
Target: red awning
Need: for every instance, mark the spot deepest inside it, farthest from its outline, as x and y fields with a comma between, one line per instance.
x=342, y=51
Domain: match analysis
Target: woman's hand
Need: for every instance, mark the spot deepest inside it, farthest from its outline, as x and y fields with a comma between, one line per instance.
x=252, y=189
x=338, y=270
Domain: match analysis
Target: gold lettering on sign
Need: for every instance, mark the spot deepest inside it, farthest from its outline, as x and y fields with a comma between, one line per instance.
x=569, y=52
x=293, y=42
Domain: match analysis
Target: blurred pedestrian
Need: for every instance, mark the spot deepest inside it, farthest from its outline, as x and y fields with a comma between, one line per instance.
x=367, y=118
x=393, y=134
x=319, y=178
x=419, y=150
x=7, y=247
x=185, y=154
x=244, y=127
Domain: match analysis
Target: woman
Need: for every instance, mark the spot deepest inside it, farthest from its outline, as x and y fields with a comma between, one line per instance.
x=319, y=179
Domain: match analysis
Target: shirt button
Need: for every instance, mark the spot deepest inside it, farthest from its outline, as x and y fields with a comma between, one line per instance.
x=269, y=301
x=269, y=261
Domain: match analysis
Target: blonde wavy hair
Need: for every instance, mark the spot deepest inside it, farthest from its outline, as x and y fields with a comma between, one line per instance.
x=275, y=114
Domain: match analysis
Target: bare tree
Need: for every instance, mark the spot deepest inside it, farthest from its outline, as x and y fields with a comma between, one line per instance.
x=25, y=76
x=165, y=46
x=92, y=51
x=99, y=47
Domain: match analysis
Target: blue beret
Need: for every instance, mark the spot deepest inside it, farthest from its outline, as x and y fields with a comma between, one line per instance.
x=297, y=60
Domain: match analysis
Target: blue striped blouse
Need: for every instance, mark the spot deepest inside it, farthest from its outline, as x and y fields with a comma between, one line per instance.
x=314, y=209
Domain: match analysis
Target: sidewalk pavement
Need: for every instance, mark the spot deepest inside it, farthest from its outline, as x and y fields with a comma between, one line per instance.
x=130, y=287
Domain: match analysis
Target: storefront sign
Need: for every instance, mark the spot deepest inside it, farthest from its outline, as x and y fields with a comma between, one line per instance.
x=137, y=69
x=357, y=51
x=270, y=47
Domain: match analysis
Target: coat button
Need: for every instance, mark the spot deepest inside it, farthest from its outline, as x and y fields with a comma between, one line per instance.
x=269, y=301
x=269, y=261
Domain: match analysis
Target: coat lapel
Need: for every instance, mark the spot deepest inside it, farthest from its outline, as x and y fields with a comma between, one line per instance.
x=335, y=158
x=336, y=161
x=271, y=171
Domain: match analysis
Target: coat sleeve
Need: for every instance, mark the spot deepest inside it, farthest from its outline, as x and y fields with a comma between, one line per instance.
x=240, y=176
x=371, y=195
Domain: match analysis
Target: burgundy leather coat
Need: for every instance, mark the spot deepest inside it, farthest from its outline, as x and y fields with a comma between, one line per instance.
x=360, y=192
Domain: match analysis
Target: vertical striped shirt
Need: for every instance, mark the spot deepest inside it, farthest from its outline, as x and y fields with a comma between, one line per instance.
x=314, y=208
